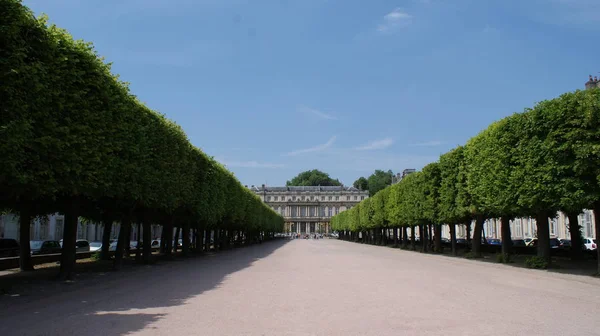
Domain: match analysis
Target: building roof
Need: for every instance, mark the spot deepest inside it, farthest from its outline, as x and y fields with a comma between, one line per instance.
x=307, y=188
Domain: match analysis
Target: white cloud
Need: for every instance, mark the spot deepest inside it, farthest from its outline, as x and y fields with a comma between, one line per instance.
x=393, y=20
x=317, y=113
x=377, y=144
x=250, y=164
x=317, y=148
x=427, y=144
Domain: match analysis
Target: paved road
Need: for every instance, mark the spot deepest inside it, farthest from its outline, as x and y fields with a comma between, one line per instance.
x=308, y=287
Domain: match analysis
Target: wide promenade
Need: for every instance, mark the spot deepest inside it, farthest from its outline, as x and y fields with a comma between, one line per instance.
x=313, y=287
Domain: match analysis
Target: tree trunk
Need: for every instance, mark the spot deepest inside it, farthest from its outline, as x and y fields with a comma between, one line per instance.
x=395, y=237
x=108, y=223
x=413, y=238
x=207, y=240
x=425, y=238
x=128, y=242
x=176, y=239
x=543, y=235
x=453, y=238
x=163, y=239
x=438, y=238
x=477, y=230
x=468, y=229
x=404, y=237
x=217, y=240
x=185, y=239
x=597, y=220
x=506, y=235
x=68, y=257
x=125, y=225
x=576, y=239
x=25, y=261
x=147, y=240
x=138, y=246
x=169, y=238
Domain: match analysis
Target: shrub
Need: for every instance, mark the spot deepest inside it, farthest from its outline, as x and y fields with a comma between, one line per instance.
x=95, y=256
x=503, y=258
x=536, y=262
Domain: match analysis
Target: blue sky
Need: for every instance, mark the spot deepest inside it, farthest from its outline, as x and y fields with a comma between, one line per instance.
x=272, y=88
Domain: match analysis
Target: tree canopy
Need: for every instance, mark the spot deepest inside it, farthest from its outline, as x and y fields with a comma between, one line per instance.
x=533, y=164
x=313, y=178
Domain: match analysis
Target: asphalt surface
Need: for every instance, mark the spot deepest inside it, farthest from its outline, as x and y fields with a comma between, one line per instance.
x=315, y=287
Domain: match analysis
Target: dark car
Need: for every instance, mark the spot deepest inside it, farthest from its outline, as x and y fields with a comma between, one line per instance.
x=461, y=241
x=44, y=247
x=554, y=243
x=565, y=243
x=9, y=248
x=519, y=243
x=494, y=241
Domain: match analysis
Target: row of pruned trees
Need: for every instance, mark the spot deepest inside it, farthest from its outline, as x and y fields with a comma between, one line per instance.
x=530, y=164
x=74, y=140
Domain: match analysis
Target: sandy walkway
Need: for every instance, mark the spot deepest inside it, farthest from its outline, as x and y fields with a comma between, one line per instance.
x=324, y=287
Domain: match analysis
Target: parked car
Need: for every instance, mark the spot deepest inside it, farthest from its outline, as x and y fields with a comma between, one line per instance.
x=82, y=245
x=494, y=241
x=519, y=242
x=95, y=246
x=461, y=241
x=44, y=247
x=590, y=244
x=565, y=243
x=9, y=248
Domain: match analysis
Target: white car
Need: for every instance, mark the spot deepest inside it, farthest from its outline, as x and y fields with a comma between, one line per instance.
x=95, y=246
x=590, y=244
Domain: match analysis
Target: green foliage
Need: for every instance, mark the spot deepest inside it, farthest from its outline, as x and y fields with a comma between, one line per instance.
x=503, y=258
x=379, y=180
x=313, y=178
x=71, y=130
x=361, y=183
x=536, y=262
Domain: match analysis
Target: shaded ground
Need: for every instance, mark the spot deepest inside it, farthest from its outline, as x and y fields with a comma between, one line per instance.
x=314, y=287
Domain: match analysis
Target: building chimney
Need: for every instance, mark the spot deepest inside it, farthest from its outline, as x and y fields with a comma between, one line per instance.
x=591, y=83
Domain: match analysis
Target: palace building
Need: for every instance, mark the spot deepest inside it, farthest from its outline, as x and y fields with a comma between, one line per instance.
x=309, y=209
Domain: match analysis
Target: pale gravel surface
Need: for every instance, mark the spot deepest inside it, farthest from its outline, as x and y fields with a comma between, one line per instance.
x=322, y=287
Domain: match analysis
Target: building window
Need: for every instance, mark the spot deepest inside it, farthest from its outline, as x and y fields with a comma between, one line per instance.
x=337, y=198
x=269, y=198
x=58, y=231
x=303, y=198
x=347, y=198
x=362, y=197
x=355, y=198
x=331, y=211
x=329, y=198
x=293, y=198
x=322, y=198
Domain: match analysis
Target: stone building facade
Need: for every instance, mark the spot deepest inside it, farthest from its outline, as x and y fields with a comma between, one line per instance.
x=309, y=209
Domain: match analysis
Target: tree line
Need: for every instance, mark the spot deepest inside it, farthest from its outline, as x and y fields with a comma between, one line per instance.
x=75, y=140
x=530, y=164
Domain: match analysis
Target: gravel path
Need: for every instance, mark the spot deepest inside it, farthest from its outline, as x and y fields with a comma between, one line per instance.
x=322, y=287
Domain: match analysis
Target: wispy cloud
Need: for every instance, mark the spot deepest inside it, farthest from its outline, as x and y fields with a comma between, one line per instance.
x=317, y=148
x=489, y=29
x=251, y=164
x=376, y=144
x=427, y=143
x=317, y=113
x=394, y=20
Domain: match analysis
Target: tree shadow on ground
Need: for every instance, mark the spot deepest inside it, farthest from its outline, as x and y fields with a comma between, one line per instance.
x=588, y=267
x=119, y=303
